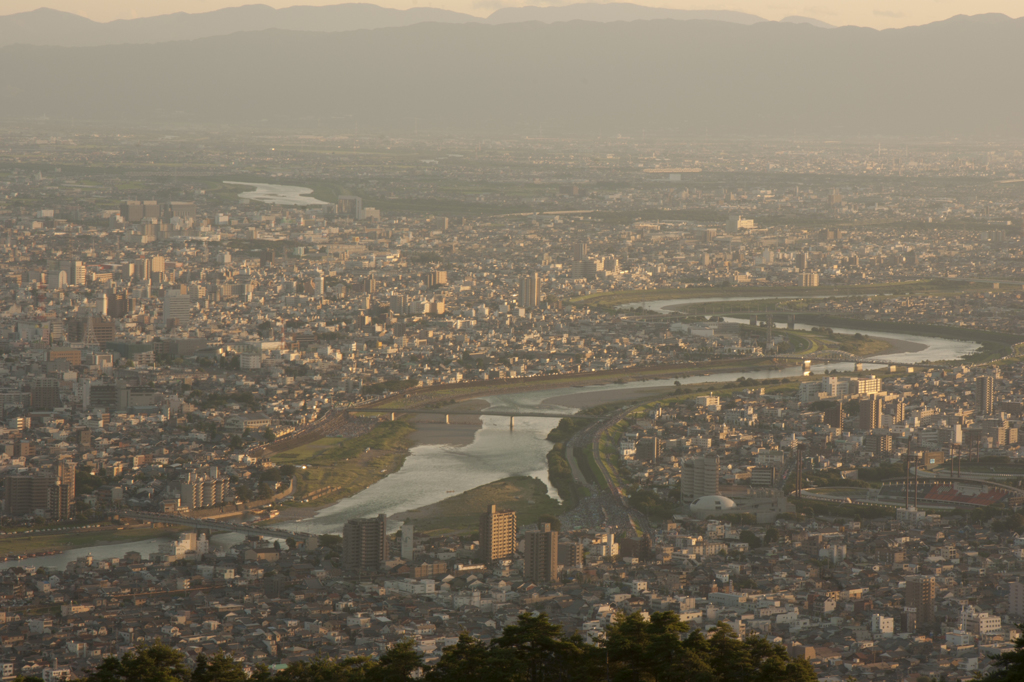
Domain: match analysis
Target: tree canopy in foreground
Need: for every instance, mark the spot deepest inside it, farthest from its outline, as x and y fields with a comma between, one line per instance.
x=660, y=648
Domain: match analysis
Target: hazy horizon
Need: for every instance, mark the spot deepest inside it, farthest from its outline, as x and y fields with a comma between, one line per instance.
x=877, y=14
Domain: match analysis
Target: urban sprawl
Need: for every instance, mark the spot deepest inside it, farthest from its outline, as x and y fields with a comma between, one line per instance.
x=778, y=387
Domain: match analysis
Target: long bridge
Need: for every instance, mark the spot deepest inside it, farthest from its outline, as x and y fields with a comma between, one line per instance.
x=213, y=524
x=511, y=414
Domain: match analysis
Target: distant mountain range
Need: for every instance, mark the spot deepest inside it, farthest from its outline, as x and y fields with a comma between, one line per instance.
x=52, y=27
x=958, y=77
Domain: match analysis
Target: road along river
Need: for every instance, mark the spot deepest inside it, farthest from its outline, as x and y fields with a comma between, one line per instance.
x=434, y=472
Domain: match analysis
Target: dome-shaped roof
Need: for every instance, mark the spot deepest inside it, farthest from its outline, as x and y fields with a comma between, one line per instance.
x=710, y=503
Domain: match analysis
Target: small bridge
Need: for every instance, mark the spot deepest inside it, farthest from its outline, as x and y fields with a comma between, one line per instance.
x=212, y=524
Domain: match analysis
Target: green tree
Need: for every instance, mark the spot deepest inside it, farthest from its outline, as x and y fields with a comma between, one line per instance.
x=326, y=670
x=539, y=645
x=749, y=537
x=640, y=650
x=470, y=660
x=220, y=668
x=1008, y=666
x=146, y=663
x=397, y=664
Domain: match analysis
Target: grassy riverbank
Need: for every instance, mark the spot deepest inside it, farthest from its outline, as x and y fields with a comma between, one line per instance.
x=460, y=514
x=615, y=298
x=334, y=468
x=448, y=394
x=30, y=543
x=994, y=345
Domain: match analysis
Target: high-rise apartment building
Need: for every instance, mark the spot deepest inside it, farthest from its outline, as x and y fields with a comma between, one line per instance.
x=834, y=416
x=899, y=412
x=920, y=596
x=540, y=564
x=26, y=494
x=51, y=493
x=177, y=306
x=179, y=209
x=44, y=393
x=579, y=251
x=570, y=554
x=529, y=291
x=202, y=490
x=119, y=305
x=497, y=534
x=365, y=545
x=865, y=385
x=985, y=395
x=1017, y=599
x=408, y=536
x=436, y=278
x=871, y=413
x=61, y=502
x=135, y=211
x=699, y=478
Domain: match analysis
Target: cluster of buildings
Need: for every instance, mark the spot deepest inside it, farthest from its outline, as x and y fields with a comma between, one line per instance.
x=874, y=599
x=155, y=334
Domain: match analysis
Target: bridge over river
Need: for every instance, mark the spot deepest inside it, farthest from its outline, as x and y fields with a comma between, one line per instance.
x=215, y=525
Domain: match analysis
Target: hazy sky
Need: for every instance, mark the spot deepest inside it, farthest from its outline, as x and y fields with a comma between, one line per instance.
x=874, y=13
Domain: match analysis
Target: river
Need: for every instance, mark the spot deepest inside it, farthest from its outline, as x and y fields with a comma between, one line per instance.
x=282, y=195
x=432, y=473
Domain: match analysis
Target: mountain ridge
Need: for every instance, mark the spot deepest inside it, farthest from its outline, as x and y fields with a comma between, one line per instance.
x=46, y=26
x=663, y=77
x=64, y=29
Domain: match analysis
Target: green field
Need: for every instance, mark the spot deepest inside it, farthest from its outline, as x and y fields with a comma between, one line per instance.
x=347, y=465
x=994, y=345
x=526, y=496
x=37, y=542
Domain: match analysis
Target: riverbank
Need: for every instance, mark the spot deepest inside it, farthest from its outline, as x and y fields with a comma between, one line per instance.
x=897, y=346
x=616, y=298
x=460, y=429
x=452, y=395
x=333, y=468
x=32, y=543
x=465, y=422
x=582, y=401
x=524, y=495
x=994, y=345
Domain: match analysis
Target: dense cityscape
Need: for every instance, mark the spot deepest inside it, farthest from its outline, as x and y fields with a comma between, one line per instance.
x=272, y=400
